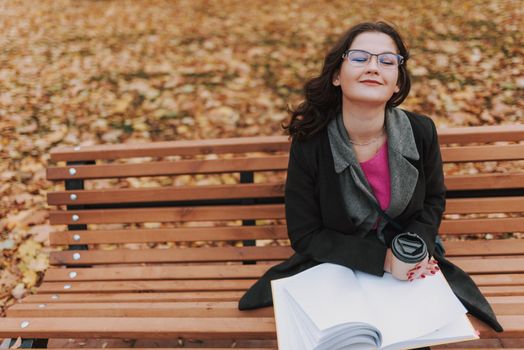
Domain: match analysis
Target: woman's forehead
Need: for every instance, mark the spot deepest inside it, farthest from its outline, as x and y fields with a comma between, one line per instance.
x=374, y=42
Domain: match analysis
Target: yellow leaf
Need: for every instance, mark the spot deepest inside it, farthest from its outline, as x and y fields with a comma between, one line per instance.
x=40, y=263
x=29, y=248
x=19, y=291
x=30, y=277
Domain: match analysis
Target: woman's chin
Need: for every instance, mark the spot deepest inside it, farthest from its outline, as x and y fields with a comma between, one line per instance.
x=369, y=100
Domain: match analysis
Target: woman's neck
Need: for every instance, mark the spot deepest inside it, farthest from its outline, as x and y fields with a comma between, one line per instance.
x=363, y=123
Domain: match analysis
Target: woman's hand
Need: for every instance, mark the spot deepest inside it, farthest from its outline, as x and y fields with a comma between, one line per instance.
x=387, y=261
x=403, y=271
x=427, y=267
x=395, y=267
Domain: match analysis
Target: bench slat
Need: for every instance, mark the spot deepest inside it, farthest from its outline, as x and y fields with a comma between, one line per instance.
x=157, y=272
x=119, y=256
x=108, y=216
x=183, y=234
x=172, y=148
x=484, y=247
x=485, y=205
x=490, y=265
x=488, y=133
x=490, y=225
x=179, y=167
x=502, y=290
x=216, y=295
x=163, y=194
x=144, y=309
x=140, y=328
x=146, y=286
x=484, y=181
x=507, y=279
x=506, y=300
x=482, y=153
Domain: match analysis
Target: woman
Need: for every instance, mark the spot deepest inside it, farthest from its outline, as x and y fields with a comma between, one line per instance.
x=352, y=152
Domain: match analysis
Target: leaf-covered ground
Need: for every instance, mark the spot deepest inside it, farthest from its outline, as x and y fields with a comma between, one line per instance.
x=87, y=72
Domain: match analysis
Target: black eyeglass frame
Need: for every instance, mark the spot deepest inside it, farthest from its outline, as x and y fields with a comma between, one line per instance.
x=400, y=57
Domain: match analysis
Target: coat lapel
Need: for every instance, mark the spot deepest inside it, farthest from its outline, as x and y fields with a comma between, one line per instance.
x=401, y=147
x=351, y=181
x=344, y=156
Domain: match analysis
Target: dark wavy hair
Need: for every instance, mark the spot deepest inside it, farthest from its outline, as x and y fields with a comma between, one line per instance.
x=323, y=100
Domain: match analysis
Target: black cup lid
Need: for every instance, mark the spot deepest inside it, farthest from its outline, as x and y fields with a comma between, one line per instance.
x=409, y=247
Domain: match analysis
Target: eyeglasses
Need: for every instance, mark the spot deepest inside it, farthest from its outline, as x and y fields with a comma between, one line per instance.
x=361, y=58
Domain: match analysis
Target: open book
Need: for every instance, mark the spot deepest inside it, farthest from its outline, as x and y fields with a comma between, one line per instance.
x=332, y=307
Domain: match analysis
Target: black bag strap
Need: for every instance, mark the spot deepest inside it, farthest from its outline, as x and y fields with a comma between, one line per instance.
x=386, y=216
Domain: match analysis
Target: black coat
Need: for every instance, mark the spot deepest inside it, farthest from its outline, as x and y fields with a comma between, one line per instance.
x=320, y=230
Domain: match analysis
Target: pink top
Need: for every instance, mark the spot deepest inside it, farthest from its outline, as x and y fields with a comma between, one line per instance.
x=376, y=170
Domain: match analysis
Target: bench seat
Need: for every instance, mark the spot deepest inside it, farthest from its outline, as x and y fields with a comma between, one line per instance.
x=160, y=240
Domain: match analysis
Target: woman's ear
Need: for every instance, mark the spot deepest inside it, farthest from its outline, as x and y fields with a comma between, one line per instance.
x=397, y=89
x=336, y=79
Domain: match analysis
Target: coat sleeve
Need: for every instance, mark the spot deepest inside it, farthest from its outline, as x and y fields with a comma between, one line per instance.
x=427, y=221
x=306, y=230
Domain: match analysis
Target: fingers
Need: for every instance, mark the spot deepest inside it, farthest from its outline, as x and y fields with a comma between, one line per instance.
x=423, y=269
x=432, y=267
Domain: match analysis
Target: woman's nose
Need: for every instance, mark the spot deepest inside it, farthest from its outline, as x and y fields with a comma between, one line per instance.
x=373, y=63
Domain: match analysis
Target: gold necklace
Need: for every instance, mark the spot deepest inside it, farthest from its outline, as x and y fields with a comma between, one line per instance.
x=369, y=142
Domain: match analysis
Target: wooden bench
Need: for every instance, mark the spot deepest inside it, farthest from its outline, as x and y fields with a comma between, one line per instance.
x=168, y=257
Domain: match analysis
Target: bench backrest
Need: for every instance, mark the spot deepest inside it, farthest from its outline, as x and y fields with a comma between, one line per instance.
x=216, y=201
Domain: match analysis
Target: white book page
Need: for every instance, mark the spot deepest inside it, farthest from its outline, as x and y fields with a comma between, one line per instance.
x=288, y=335
x=457, y=331
x=363, y=337
x=330, y=294
x=309, y=332
x=407, y=310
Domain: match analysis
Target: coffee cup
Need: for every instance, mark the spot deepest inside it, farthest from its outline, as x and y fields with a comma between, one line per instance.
x=409, y=249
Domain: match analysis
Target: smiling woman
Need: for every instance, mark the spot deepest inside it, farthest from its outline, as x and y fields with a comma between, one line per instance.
x=368, y=77
x=362, y=172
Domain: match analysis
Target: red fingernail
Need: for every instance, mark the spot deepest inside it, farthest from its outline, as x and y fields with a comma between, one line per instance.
x=418, y=267
x=433, y=272
x=423, y=276
x=437, y=268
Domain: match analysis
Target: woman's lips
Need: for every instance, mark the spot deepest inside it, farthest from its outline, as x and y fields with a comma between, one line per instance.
x=369, y=82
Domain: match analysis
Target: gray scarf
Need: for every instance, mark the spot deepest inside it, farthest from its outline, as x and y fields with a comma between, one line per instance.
x=356, y=191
